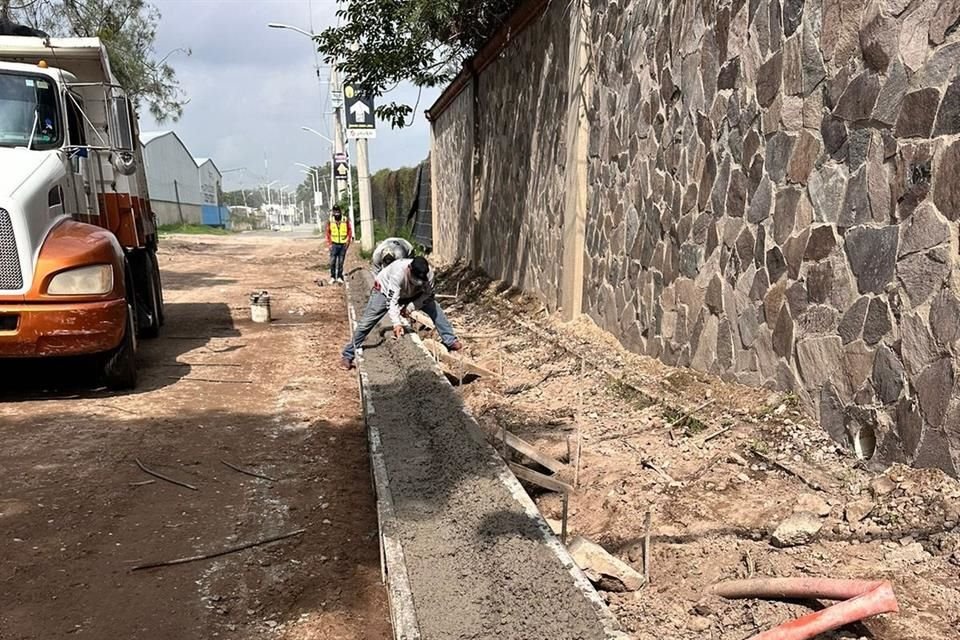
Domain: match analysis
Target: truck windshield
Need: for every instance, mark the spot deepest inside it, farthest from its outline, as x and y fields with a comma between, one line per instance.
x=28, y=104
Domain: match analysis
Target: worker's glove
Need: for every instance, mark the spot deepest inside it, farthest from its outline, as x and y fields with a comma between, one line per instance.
x=398, y=331
x=406, y=310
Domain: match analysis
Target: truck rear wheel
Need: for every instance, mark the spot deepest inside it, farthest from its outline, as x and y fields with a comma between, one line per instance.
x=120, y=367
x=158, y=286
x=149, y=296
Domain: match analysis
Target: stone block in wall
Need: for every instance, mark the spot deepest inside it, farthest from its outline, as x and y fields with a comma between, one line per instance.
x=921, y=274
x=948, y=115
x=878, y=37
x=917, y=347
x=917, y=113
x=946, y=188
x=914, y=38
x=934, y=387
x=872, y=254
x=890, y=99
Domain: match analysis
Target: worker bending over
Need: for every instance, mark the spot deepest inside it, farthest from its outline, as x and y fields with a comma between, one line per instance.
x=403, y=286
x=339, y=235
x=389, y=250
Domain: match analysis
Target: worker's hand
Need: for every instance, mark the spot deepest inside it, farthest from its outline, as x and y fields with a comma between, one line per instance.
x=405, y=311
x=398, y=331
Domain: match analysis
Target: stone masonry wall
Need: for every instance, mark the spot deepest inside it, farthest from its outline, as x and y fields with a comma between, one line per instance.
x=773, y=197
x=774, y=190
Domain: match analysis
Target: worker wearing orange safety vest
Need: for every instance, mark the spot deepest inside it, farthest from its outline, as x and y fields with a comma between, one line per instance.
x=339, y=235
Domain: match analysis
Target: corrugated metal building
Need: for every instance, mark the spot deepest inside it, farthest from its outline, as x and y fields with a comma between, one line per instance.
x=173, y=178
x=212, y=211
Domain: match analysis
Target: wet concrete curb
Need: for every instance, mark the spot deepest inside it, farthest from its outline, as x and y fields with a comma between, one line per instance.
x=402, y=602
x=393, y=568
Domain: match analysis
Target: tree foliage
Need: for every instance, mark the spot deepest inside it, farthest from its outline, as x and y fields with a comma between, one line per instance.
x=381, y=43
x=128, y=28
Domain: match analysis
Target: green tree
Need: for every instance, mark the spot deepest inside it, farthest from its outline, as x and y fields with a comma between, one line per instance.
x=381, y=43
x=128, y=28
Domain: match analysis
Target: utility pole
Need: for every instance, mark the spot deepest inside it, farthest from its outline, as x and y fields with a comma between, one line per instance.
x=366, y=210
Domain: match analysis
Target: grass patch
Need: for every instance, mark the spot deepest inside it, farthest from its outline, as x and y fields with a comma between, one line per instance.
x=192, y=229
x=630, y=394
x=690, y=424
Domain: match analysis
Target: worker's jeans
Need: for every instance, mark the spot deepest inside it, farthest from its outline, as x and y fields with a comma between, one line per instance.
x=377, y=308
x=338, y=252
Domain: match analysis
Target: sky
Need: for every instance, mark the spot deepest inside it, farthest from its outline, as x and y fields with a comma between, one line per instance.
x=251, y=88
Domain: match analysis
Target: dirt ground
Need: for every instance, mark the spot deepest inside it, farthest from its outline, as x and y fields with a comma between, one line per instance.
x=76, y=516
x=718, y=467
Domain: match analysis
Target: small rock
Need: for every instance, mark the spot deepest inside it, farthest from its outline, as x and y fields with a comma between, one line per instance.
x=813, y=504
x=858, y=510
x=603, y=569
x=699, y=624
x=271, y=623
x=799, y=529
x=736, y=458
x=955, y=558
x=910, y=554
x=882, y=486
x=742, y=477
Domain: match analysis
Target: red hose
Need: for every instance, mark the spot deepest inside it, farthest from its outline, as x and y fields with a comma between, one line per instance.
x=862, y=599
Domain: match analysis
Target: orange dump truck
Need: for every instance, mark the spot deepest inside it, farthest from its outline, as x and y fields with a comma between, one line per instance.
x=78, y=266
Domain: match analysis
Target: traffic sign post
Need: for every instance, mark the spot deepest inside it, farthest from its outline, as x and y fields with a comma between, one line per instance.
x=341, y=167
x=362, y=126
x=361, y=118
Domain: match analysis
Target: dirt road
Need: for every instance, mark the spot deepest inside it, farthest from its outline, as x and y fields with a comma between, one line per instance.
x=75, y=516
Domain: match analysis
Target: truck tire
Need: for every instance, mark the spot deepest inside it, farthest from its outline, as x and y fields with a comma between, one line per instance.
x=158, y=287
x=151, y=297
x=120, y=366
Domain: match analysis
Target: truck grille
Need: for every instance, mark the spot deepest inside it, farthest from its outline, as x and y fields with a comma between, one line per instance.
x=10, y=275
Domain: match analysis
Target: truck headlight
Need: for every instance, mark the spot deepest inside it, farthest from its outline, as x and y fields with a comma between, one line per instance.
x=83, y=281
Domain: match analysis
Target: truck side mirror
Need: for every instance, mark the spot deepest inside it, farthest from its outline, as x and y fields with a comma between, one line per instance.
x=124, y=140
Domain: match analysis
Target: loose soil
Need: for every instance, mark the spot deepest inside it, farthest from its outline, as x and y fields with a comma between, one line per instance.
x=75, y=516
x=477, y=562
x=706, y=459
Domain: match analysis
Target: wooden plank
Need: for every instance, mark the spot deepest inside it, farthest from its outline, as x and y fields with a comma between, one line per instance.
x=457, y=364
x=522, y=446
x=539, y=479
x=423, y=319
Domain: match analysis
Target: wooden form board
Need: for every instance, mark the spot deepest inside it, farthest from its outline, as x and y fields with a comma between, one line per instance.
x=456, y=364
x=525, y=448
x=539, y=479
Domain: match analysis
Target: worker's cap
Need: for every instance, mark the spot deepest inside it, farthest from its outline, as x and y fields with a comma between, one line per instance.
x=419, y=269
x=335, y=209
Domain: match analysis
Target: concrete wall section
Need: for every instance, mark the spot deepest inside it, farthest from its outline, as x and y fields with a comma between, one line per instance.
x=522, y=106
x=452, y=180
x=169, y=212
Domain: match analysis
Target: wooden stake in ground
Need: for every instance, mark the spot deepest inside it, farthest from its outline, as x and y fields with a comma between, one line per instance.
x=576, y=470
x=163, y=477
x=217, y=554
x=647, y=525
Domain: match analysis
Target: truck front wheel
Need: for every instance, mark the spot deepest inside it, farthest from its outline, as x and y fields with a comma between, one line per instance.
x=120, y=366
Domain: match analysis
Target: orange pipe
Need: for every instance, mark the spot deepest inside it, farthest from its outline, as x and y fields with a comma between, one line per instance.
x=862, y=599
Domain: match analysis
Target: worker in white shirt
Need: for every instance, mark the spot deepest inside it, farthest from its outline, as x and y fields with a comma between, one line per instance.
x=403, y=286
x=389, y=250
